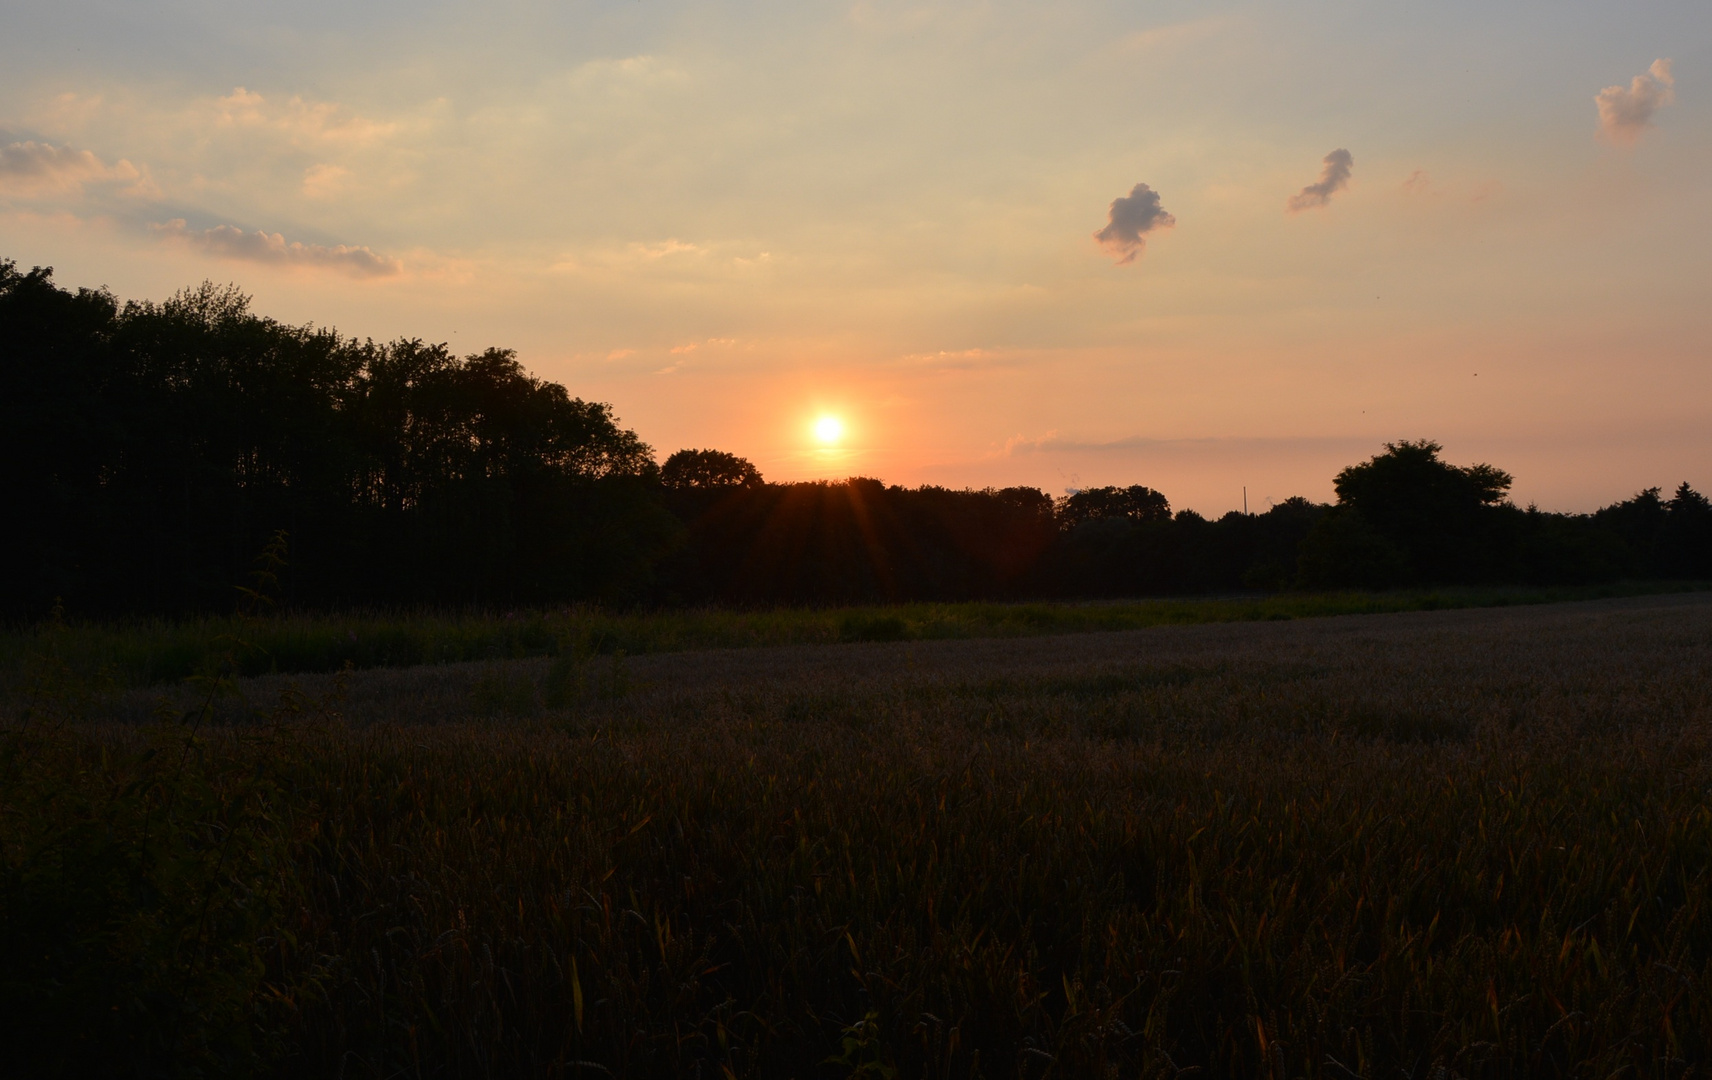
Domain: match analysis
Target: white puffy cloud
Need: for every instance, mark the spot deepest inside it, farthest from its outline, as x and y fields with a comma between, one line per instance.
x=1129, y=220
x=230, y=242
x=35, y=169
x=1333, y=179
x=1625, y=112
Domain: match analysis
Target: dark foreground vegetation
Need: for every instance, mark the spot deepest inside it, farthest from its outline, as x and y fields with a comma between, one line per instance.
x=1445, y=844
x=148, y=451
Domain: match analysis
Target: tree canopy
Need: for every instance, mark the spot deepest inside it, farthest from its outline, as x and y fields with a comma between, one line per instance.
x=151, y=452
x=1137, y=503
x=708, y=469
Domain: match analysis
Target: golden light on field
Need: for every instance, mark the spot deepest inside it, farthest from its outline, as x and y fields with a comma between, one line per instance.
x=828, y=430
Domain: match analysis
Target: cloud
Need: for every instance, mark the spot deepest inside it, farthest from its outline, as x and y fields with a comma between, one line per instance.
x=950, y=359
x=1131, y=218
x=1176, y=35
x=35, y=169
x=1053, y=443
x=1427, y=189
x=302, y=122
x=70, y=110
x=325, y=181
x=673, y=246
x=1625, y=113
x=229, y=242
x=608, y=73
x=1333, y=179
x=715, y=342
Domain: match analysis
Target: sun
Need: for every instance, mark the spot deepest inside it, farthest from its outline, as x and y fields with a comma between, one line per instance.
x=829, y=429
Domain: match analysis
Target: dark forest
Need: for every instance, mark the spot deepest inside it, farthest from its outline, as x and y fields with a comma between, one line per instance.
x=152, y=450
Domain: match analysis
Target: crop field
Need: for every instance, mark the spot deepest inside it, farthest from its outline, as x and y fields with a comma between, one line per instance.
x=1426, y=844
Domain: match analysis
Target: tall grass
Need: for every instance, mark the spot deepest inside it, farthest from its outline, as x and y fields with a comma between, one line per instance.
x=1458, y=844
x=140, y=882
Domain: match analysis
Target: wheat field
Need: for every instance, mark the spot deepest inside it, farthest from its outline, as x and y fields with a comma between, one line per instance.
x=1465, y=843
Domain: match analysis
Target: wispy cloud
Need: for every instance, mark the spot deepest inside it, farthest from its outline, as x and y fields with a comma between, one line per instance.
x=302, y=122
x=950, y=359
x=230, y=242
x=1129, y=220
x=1177, y=35
x=1625, y=112
x=1053, y=443
x=1426, y=189
x=626, y=72
x=683, y=354
x=1333, y=179
x=665, y=248
x=38, y=168
x=325, y=181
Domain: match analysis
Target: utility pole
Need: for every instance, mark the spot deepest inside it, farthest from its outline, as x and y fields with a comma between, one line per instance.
x=1245, y=500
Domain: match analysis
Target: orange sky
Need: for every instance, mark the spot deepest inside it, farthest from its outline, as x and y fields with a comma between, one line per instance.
x=729, y=223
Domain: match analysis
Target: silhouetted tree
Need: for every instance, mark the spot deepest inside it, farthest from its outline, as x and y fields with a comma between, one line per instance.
x=1345, y=550
x=1405, y=515
x=708, y=469
x=148, y=451
x=1136, y=503
x=59, y=428
x=858, y=540
x=1687, y=547
x=151, y=450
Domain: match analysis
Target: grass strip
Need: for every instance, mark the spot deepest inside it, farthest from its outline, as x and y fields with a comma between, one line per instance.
x=155, y=651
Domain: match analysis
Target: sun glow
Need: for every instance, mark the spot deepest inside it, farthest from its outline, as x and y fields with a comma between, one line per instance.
x=829, y=429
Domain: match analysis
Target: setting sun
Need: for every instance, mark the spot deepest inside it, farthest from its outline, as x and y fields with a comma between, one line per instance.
x=829, y=429
x=741, y=422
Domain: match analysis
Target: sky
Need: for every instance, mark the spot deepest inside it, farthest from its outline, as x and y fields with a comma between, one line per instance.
x=1211, y=248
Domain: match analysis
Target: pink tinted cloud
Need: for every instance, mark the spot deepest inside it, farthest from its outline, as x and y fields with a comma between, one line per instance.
x=1625, y=112
x=35, y=168
x=263, y=247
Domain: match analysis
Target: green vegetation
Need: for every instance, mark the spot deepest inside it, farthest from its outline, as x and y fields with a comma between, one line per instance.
x=1472, y=843
x=149, y=652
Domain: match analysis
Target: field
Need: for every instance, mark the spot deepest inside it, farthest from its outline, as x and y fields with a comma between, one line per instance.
x=1443, y=843
x=153, y=651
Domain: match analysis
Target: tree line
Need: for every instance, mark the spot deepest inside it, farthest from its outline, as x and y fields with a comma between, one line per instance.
x=150, y=451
